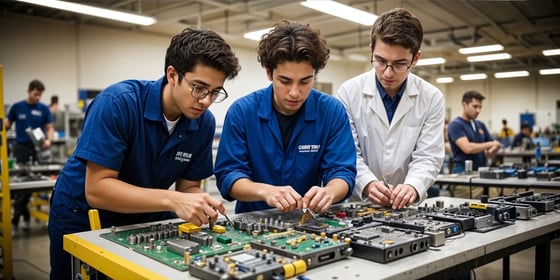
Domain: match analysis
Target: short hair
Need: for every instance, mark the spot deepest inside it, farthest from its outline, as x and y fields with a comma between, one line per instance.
x=294, y=42
x=36, y=85
x=193, y=46
x=398, y=27
x=472, y=94
x=504, y=121
x=525, y=125
x=54, y=99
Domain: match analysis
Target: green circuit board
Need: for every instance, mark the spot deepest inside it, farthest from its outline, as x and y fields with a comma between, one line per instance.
x=165, y=244
x=218, y=244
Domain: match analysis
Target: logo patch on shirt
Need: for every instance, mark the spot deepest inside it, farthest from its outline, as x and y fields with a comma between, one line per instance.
x=183, y=156
x=36, y=113
x=309, y=148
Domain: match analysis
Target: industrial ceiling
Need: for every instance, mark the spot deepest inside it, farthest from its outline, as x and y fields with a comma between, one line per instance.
x=524, y=27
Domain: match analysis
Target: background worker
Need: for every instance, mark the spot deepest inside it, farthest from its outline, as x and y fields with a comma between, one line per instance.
x=141, y=137
x=287, y=146
x=523, y=138
x=506, y=134
x=469, y=137
x=397, y=118
x=470, y=140
x=28, y=113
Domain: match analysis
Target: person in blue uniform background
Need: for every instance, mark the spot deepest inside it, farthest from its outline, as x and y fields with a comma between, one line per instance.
x=287, y=146
x=141, y=137
x=469, y=138
x=28, y=113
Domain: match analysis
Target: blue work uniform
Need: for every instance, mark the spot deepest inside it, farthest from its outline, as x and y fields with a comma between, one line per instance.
x=320, y=149
x=124, y=130
x=458, y=128
x=29, y=115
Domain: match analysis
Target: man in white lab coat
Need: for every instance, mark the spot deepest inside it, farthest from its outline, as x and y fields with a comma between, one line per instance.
x=397, y=118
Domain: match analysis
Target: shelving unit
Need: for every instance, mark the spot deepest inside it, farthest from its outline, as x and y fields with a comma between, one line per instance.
x=6, y=269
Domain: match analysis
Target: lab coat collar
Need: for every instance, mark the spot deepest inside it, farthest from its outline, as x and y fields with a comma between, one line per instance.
x=405, y=104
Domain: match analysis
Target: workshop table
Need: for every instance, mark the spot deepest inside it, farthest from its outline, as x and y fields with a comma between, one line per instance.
x=36, y=210
x=473, y=180
x=457, y=256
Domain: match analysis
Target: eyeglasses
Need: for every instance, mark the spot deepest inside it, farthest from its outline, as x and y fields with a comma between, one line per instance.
x=199, y=92
x=398, y=67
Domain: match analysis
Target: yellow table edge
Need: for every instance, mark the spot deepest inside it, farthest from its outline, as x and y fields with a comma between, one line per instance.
x=104, y=261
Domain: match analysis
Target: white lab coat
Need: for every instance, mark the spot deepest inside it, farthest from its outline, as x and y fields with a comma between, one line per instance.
x=408, y=151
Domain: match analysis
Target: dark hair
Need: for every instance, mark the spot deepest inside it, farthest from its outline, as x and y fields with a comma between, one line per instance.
x=472, y=94
x=398, y=27
x=36, y=84
x=54, y=99
x=293, y=41
x=525, y=125
x=194, y=46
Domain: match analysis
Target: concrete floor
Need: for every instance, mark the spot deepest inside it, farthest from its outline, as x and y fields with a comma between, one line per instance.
x=31, y=256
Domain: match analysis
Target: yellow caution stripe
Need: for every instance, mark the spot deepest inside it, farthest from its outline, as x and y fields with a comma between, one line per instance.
x=104, y=261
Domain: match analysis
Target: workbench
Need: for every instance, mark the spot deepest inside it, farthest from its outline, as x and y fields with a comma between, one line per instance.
x=459, y=255
x=473, y=180
x=37, y=202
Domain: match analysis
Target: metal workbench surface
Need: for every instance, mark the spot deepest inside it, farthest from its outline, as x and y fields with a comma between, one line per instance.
x=473, y=249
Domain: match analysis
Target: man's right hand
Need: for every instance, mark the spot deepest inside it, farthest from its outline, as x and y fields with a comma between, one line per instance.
x=199, y=208
x=378, y=193
x=283, y=198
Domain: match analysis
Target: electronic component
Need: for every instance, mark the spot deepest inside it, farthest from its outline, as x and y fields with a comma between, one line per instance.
x=247, y=264
x=385, y=244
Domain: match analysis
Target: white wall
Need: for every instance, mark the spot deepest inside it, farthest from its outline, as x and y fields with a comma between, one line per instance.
x=68, y=57
x=507, y=98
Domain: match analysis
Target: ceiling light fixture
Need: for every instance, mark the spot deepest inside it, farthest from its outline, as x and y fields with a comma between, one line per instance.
x=94, y=11
x=488, y=57
x=551, y=52
x=444, y=80
x=481, y=49
x=470, y=77
x=430, y=61
x=256, y=35
x=342, y=11
x=551, y=71
x=512, y=74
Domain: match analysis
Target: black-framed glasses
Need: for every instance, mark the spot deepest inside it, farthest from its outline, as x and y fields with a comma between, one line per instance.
x=200, y=92
x=398, y=67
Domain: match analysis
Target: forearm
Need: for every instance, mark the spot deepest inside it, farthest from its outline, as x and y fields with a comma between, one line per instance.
x=115, y=195
x=338, y=189
x=247, y=190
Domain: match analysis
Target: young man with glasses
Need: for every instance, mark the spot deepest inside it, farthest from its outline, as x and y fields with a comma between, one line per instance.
x=287, y=146
x=397, y=118
x=141, y=137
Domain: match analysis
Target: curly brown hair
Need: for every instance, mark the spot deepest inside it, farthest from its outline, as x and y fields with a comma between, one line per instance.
x=295, y=42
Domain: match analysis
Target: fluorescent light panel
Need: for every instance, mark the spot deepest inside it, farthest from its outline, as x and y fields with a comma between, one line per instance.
x=94, y=11
x=481, y=49
x=512, y=74
x=430, y=61
x=444, y=80
x=342, y=11
x=470, y=77
x=551, y=71
x=257, y=34
x=551, y=52
x=488, y=57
